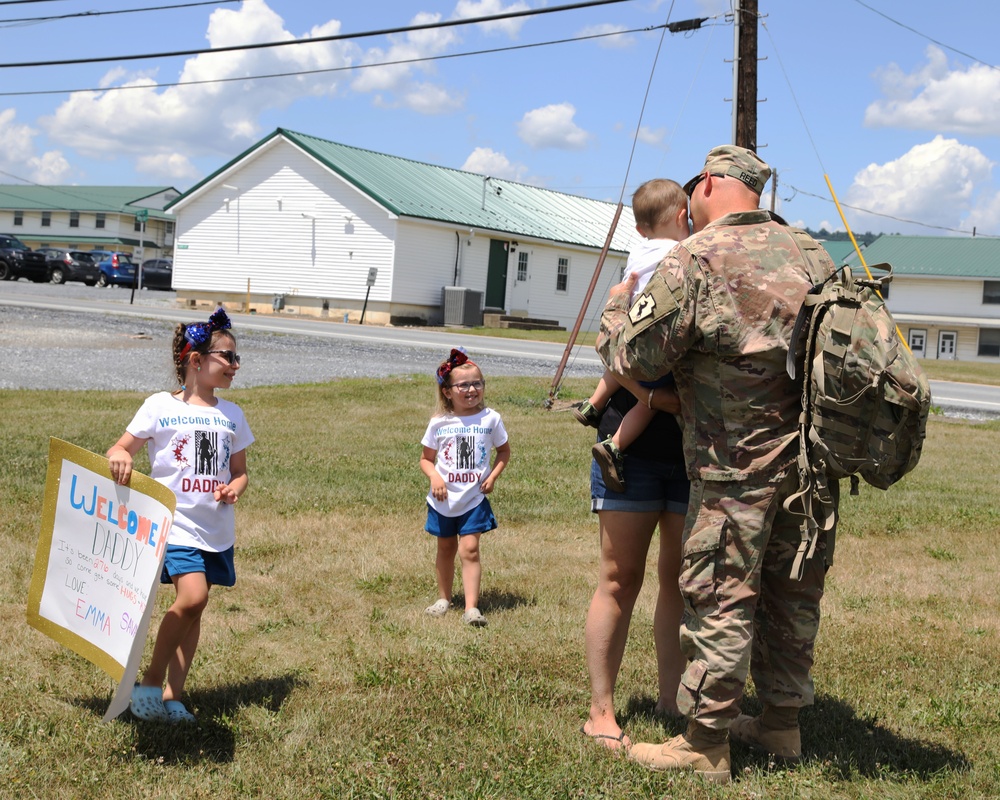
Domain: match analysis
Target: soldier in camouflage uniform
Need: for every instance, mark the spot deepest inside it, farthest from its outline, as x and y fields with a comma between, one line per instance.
x=724, y=329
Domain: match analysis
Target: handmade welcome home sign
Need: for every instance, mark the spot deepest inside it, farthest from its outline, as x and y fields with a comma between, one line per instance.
x=98, y=562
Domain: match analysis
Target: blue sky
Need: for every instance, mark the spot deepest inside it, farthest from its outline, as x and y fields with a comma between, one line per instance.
x=897, y=101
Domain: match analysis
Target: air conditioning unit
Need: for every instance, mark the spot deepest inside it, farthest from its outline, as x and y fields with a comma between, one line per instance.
x=462, y=307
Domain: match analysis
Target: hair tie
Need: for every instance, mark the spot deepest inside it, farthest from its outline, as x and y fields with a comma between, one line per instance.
x=197, y=333
x=456, y=359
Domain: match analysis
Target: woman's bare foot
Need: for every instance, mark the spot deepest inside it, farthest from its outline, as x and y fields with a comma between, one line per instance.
x=611, y=738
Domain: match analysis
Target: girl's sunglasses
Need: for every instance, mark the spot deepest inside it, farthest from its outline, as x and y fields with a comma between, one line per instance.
x=230, y=356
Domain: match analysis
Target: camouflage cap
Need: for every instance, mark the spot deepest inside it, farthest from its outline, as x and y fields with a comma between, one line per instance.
x=728, y=159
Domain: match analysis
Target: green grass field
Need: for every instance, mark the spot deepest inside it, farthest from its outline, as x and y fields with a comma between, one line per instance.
x=319, y=676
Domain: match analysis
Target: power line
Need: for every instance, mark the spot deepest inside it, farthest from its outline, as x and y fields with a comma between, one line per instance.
x=297, y=73
x=317, y=39
x=55, y=17
x=925, y=36
x=888, y=216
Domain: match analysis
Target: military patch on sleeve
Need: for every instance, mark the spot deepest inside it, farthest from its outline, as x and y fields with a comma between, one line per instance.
x=658, y=300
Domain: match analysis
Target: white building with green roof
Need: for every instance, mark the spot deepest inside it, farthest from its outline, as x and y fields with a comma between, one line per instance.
x=312, y=221
x=944, y=295
x=90, y=217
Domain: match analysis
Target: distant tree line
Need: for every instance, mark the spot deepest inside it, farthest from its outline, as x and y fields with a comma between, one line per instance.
x=841, y=236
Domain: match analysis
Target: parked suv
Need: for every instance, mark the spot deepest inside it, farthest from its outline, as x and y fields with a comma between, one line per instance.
x=70, y=265
x=18, y=260
x=116, y=268
x=157, y=273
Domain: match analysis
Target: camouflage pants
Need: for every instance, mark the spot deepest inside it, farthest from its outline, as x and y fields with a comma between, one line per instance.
x=742, y=610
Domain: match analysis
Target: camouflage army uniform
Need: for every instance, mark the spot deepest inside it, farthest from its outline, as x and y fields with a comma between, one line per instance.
x=719, y=312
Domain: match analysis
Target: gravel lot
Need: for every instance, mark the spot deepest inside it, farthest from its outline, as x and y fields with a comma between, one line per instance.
x=69, y=350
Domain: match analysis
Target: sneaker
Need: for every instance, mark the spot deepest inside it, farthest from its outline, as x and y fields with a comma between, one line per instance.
x=612, y=463
x=587, y=414
x=438, y=609
x=474, y=618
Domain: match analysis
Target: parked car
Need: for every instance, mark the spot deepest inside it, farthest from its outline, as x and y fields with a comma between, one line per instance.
x=70, y=265
x=17, y=260
x=157, y=273
x=116, y=268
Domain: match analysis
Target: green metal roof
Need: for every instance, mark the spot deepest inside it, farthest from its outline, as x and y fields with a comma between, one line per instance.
x=109, y=199
x=425, y=191
x=938, y=256
x=838, y=251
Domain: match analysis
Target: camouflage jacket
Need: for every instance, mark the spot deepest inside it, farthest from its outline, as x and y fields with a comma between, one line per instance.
x=718, y=312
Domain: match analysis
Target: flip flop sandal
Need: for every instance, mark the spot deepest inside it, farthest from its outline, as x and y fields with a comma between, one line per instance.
x=147, y=703
x=623, y=745
x=177, y=713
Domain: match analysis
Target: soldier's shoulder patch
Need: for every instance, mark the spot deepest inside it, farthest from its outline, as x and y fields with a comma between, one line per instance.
x=659, y=299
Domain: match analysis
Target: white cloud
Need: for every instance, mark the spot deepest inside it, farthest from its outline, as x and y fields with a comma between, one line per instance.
x=652, y=136
x=424, y=98
x=171, y=167
x=18, y=157
x=485, y=161
x=937, y=98
x=208, y=118
x=933, y=183
x=466, y=9
x=610, y=42
x=552, y=126
x=985, y=216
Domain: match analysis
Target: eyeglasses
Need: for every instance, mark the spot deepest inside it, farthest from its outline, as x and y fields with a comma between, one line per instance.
x=691, y=186
x=470, y=386
x=230, y=356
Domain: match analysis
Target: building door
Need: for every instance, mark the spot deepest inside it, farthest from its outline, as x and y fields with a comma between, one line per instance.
x=918, y=339
x=946, y=344
x=520, y=292
x=496, y=276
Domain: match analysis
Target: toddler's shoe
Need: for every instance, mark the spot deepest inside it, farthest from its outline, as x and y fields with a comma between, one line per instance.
x=587, y=414
x=146, y=704
x=474, y=618
x=438, y=609
x=612, y=463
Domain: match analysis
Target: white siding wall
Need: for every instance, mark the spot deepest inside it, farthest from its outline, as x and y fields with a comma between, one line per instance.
x=939, y=296
x=262, y=235
x=545, y=302
x=425, y=262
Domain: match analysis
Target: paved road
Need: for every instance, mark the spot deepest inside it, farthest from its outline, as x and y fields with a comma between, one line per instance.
x=78, y=337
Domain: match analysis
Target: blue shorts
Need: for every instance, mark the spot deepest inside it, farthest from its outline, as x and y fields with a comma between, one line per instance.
x=649, y=486
x=219, y=568
x=477, y=520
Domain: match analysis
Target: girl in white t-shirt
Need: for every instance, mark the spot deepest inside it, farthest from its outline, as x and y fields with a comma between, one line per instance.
x=197, y=448
x=456, y=459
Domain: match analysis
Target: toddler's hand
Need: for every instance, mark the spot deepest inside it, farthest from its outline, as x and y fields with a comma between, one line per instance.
x=225, y=494
x=625, y=286
x=120, y=463
x=438, y=489
x=487, y=484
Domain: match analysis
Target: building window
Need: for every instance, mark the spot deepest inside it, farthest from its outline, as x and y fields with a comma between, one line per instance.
x=917, y=341
x=19, y=218
x=137, y=225
x=522, y=266
x=74, y=219
x=989, y=342
x=562, y=274
x=991, y=292
x=99, y=220
x=46, y=219
x=169, y=227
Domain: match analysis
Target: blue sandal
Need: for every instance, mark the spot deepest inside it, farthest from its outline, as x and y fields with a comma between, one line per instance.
x=147, y=704
x=177, y=713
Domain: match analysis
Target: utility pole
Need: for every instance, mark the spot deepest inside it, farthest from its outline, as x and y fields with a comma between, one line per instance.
x=745, y=75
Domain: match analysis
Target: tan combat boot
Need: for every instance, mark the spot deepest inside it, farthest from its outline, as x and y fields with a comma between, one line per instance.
x=763, y=733
x=700, y=749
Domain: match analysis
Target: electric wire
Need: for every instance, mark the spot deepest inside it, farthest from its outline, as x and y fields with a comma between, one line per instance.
x=319, y=39
x=24, y=21
x=298, y=73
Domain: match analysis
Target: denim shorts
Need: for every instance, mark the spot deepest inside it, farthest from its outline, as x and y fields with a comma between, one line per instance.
x=476, y=520
x=219, y=568
x=649, y=486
